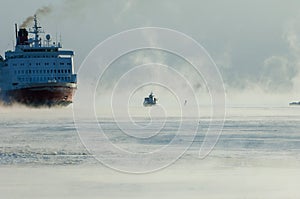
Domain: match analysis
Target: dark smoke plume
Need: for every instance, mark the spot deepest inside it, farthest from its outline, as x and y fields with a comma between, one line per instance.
x=40, y=12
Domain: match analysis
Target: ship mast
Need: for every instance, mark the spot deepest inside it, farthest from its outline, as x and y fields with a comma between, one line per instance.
x=36, y=31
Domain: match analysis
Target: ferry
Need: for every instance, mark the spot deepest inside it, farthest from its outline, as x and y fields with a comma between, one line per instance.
x=38, y=72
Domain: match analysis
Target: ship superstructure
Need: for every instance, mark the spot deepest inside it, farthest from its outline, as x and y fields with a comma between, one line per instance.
x=37, y=73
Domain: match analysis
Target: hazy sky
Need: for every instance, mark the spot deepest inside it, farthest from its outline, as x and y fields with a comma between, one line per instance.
x=254, y=43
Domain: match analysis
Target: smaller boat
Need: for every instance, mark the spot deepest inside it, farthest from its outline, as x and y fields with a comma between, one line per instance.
x=150, y=101
x=294, y=103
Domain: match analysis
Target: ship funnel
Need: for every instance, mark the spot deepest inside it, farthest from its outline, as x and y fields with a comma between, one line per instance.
x=22, y=37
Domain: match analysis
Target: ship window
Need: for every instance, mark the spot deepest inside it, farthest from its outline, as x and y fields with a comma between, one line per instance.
x=54, y=71
x=48, y=71
x=29, y=64
x=69, y=71
x=58, y=71
x=54, y=64
x=62, y=63
x=51, y=71
x=69, y=64
x=29, y=71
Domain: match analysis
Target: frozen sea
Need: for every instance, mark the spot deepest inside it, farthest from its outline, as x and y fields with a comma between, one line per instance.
x=256, y=156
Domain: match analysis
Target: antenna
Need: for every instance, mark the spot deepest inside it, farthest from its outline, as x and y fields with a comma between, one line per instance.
x=60, y=40
x=56, y=38
x=16, y=31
